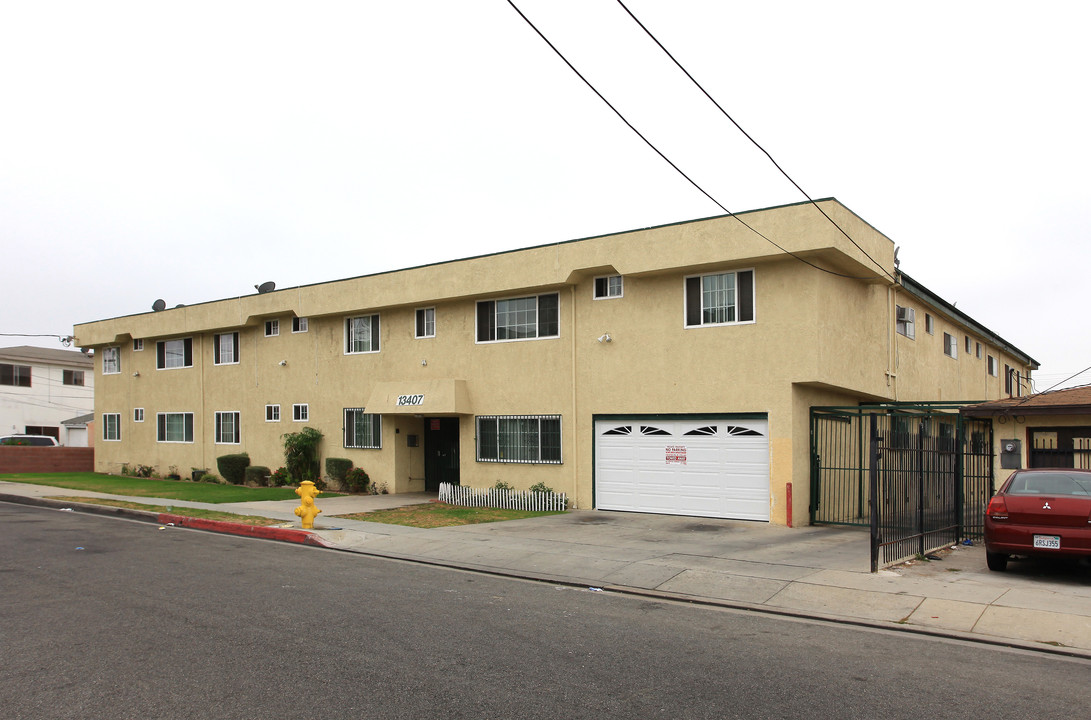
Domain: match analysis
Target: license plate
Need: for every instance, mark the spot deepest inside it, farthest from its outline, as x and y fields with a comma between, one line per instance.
x=1053, y=542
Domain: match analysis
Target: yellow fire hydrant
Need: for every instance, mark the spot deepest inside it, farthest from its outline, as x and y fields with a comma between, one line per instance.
x=307, y=511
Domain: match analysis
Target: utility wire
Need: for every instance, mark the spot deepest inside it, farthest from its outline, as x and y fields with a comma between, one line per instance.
x=751, y=139
x=1047, y=390
x=668, y=160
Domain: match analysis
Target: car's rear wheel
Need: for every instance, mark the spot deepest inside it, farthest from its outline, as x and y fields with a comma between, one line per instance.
x=997, y=561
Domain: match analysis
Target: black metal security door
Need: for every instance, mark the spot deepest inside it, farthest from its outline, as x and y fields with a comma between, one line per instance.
x=919, y=476
x=440, y=452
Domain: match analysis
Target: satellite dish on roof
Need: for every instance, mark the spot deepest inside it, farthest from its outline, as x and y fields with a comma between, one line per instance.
x=159, y=305
x=179, y=305
x=266, y=287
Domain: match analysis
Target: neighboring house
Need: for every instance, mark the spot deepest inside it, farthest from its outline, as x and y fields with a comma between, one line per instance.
x=40, y=388
x=1050, y=429
x=669, y=369
x=78, y=431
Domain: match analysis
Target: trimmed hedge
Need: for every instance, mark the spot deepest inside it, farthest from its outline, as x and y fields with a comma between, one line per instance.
x=257, y=474
x=337, y=468
x=233, y=467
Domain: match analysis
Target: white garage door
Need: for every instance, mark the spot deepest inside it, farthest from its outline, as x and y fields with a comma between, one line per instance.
x=706, y=467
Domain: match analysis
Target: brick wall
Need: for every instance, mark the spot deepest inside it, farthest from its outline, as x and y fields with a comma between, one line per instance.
x=15, y=459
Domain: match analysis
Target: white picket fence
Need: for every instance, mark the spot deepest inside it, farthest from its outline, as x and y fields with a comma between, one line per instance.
x=503, y=499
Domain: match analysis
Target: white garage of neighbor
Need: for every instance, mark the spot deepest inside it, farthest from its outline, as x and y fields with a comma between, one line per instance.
x=705, y=466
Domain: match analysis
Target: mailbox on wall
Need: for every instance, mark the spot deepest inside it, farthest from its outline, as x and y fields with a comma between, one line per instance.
x=1011, y=454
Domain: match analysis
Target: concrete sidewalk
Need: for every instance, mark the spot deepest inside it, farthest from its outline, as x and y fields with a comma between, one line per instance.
x=813, y=572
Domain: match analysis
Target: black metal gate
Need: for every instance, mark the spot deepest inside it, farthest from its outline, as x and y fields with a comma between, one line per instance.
x=919, y=475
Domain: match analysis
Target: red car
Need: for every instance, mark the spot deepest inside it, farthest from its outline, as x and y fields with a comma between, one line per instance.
x=1044, y=512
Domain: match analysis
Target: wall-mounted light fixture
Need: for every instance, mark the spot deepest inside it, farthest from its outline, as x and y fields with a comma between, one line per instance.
x=283, y=363
x=605, y=337
x=136, y=374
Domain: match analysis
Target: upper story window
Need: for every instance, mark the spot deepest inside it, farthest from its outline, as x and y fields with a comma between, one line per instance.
x=969, y=344
x=272, y=413
x=929, y=324
x=299, y=324
x=992, y=365
x=426, y=322
x=950, y=345
x=720, y=299
x=977, y=351
x=272, y=328
x=111, y=360
x=524, y=318
x=174, y=354
x=72, y=377
x=225, y=348
x=362, y=334
x=610, y=286
x=138, y=344
x=16, y=375
x=301, y=412
x=905, y=321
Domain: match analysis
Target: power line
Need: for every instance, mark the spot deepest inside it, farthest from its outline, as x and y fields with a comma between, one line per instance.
x=668, y=160
x=751, y=139
x=65, y=340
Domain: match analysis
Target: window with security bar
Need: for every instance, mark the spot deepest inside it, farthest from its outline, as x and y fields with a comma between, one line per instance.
x=363, y=429
x=720, y=299
x=519, y=438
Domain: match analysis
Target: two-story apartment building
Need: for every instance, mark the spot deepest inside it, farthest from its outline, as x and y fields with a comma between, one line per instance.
x=40, y=388
x=669, y=369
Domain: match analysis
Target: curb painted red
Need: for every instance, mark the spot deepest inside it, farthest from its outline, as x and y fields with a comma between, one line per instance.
x=301, y=537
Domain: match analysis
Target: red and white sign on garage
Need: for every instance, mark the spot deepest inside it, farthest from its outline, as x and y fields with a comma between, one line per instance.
x=676, y=454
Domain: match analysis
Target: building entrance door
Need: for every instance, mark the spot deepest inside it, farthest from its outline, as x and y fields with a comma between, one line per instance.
x=440, y=452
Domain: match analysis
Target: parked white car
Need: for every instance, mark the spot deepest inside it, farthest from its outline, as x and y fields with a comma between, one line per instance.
x=33, y=440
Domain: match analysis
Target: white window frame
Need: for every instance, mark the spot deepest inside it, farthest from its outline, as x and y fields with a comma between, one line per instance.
x=167, y=355
x=218, y=349
x=969, y=345
x=272, y=413
x=161, y=420
x=138, y=344
x=138, y=415
x=111, y=427
x=111, y=360
x=608, y=287
x=950, y=346
x=498, y=308
x=908, y=326
x=993, y=365
x=424, y=322
x=272, y=328
x=734, y=306
x=372, y=432
x=301, y=412
x=505, y=431
x=373, y=329
x=929, y=324
x=219, y=424
x=300, y=325
x=977, y=351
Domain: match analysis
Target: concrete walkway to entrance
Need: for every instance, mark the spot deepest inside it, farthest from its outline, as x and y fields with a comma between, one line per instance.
x=817, y=572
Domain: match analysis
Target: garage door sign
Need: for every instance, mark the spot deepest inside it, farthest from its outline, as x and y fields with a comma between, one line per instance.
x=676, y=454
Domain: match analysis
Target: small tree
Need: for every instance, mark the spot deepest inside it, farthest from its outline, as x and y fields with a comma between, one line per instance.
x=301, y=454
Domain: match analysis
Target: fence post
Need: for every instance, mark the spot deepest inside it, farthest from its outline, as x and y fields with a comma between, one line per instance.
x=921, y=429
x=873, y=492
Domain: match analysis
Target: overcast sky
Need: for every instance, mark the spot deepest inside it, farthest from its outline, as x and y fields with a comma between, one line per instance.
x=189, y=151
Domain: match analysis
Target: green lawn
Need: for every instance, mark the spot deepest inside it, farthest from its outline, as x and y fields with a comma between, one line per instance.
x=150, y=487
x=184, y=511
x=433, y=515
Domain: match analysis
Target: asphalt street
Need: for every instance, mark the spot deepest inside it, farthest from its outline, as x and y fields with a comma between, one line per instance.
x=103, y=617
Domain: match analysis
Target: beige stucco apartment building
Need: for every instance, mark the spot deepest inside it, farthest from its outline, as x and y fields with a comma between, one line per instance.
x=669, y=369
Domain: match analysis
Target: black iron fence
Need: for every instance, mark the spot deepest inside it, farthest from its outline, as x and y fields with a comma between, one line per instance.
x=919, y=476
